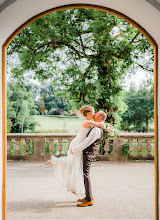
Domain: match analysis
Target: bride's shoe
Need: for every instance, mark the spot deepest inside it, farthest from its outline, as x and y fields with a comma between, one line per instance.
x=48, y=162
x=73, y=192
x=51, y=161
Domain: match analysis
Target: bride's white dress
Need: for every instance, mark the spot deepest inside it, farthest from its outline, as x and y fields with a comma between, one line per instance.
x=69, y=169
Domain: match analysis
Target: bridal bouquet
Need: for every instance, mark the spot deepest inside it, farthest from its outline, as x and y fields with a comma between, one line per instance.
x=109, y=131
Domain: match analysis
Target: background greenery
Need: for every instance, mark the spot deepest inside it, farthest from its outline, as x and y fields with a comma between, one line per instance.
x=79, y=57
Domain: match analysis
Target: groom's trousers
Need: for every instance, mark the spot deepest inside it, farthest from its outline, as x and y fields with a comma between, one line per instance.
x=89, y=155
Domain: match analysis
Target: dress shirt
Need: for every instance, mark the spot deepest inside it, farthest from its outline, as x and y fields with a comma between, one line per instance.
x=94, y=134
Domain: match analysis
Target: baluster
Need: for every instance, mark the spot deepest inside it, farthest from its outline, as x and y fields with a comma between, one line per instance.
x=27, y=147
x=131, y=142
x=139, y=147
x=56, y=148
x=69, y=141
x=149, y=147
x=18, y=147
x=106, y=148
x=65, y=146
x=60, y=147
x=51, y=147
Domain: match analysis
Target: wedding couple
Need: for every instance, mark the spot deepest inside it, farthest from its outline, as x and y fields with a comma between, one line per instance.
x=73, y=170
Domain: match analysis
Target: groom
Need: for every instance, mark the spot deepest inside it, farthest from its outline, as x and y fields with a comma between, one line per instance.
x=89, y=148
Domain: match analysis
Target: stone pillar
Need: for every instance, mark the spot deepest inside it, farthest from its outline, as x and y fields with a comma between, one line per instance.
x=39, y=148
x=18, y=146
x=117, y=150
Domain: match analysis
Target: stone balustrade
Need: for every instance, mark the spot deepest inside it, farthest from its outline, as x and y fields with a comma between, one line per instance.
x=39, y=147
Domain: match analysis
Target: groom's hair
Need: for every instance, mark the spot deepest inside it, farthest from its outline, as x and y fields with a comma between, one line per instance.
x=103, y=115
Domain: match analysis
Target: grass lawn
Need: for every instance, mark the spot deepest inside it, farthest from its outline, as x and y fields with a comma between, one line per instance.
x=56, y=124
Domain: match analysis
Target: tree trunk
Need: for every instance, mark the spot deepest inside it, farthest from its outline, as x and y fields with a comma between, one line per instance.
x=22, y=127
x=134, y=125
x=147, y=125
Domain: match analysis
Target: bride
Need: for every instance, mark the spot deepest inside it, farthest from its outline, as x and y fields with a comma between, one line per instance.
x=69, y=169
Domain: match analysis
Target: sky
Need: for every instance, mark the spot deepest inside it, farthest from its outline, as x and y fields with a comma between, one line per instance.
x=137, y=79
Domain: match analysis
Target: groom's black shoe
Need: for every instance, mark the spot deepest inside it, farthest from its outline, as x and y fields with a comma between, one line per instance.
x=82, y=200
x=85, y=203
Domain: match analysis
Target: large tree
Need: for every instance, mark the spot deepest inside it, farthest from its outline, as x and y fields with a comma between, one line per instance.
x=87, y=53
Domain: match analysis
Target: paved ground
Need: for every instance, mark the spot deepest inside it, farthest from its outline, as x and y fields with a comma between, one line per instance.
x=121, y=191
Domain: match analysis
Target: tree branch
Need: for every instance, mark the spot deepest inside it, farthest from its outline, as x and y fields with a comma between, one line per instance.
x=150, y=70
x=134, y=37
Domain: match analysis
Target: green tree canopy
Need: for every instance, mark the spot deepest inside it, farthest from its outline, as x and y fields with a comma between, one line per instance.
x=47, y=94
x=140, y=107
x=20, y=108
x=87, y=53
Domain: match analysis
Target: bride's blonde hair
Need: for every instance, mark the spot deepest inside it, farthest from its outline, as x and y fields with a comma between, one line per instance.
x=85, y=109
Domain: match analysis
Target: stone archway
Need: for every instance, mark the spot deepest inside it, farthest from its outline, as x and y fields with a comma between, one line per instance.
x=4, y=92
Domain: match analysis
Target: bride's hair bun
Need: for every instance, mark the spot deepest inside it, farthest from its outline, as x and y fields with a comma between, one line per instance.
x=85, y=109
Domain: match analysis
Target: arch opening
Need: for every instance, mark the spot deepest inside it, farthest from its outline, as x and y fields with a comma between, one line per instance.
x=4, y=86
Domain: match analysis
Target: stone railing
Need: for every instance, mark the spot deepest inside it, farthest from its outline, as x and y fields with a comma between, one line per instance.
x=39, y=147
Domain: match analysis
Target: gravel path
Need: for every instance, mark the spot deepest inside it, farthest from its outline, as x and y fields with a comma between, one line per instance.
x=122, y=190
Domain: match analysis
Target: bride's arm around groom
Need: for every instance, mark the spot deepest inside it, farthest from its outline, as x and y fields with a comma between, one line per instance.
x=93, y=135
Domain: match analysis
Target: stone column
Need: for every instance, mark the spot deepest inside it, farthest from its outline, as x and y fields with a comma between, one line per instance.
x=17, y=147
x=39, y=148
x=117, y=150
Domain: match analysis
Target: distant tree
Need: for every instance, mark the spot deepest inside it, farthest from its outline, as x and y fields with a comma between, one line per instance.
x=20, y=108
x=140, y=107
x=47, y=94
x=41, y=107
x=23, y=115
x=10, y=112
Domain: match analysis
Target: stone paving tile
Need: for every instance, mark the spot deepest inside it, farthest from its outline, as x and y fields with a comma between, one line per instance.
x=122, y=190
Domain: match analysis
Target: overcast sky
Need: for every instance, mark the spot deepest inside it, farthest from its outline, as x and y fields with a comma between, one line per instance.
x=137, y=79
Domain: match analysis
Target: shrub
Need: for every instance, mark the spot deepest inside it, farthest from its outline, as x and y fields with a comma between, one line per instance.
x=125, y=149
x=55, y=111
